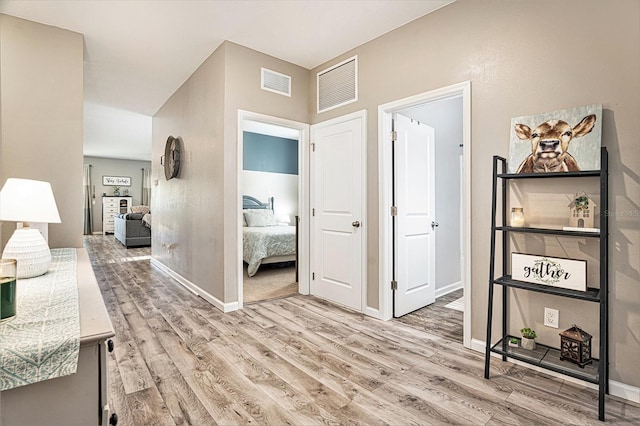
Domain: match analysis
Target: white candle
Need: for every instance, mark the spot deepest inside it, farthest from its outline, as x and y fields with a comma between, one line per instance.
x=517, y=217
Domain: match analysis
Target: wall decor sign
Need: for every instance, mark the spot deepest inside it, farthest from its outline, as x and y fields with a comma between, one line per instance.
x=551, y=271
x=560, y=141
x=116, y=181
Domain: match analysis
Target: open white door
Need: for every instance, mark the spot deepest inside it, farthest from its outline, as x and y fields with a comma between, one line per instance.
x=414, y=189
x=337, y=190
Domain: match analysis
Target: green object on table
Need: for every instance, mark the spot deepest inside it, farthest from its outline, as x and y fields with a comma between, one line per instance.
x=7, y=298
x=8, y=301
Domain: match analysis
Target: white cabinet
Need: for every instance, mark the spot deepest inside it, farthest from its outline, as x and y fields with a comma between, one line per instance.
x=112, y=206
x=80, y=399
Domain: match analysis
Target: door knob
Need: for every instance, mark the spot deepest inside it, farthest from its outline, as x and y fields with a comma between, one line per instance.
x=355, y=224
x=434, y=225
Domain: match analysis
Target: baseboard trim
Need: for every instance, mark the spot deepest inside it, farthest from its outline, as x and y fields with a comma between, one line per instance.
x=619, y=389
x=373, y=312
x=448, y=289
x=224, y=307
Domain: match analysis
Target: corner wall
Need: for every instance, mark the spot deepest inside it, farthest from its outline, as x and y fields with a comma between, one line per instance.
x=590, y=55
x=188, y=210
x=41, y=95
x=195, y=214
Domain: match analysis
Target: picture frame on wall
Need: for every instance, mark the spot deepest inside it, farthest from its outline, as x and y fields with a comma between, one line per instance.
x=116, y=180
x=560, y=141
x=552, y=271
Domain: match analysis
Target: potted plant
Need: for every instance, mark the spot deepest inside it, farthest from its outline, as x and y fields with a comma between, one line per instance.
x=513, y=342
x=116, y=191
x=528, y=338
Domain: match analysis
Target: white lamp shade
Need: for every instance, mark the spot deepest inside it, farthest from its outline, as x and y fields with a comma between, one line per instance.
x=26, y=200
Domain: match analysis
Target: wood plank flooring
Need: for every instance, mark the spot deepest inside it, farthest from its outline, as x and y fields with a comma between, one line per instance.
x=437, y=319
x=303, y=361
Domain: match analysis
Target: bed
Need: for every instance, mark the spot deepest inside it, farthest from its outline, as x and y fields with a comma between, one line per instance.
x=263, y=239
x=133, y=229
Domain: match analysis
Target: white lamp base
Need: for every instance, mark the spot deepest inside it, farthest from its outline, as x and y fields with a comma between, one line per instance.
x=31, y=252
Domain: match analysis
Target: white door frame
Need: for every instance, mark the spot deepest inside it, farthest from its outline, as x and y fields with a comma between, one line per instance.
x=364, y=221
x=385, y=112
x=303, y=195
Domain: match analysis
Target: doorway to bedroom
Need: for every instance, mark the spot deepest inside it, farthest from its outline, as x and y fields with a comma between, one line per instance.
x=270, y=186
x=447, y=112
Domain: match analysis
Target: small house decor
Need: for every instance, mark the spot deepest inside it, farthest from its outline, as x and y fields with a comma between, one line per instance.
x=528, y=338
x=581, y=211
x=575, y=346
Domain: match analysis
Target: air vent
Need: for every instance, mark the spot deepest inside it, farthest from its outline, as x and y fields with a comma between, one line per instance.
x=338, y=85
x=275, y=82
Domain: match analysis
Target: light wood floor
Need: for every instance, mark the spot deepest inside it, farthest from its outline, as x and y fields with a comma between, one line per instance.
x=303, y=361
x=438, y=320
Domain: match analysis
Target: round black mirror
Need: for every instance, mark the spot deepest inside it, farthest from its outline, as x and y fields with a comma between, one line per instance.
x=172, y=157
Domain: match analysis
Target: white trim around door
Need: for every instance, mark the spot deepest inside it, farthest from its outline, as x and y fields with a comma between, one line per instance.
x=303, y=195
x=385, y=113
x=361, y=226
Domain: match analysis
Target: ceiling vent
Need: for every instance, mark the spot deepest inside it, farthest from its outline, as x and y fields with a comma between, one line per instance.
x=338, y=85
x=275, y=82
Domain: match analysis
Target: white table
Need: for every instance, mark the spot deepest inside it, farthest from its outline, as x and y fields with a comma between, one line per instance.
x=79, y=399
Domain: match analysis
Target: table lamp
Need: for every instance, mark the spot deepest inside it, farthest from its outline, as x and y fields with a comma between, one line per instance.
x=26, y=200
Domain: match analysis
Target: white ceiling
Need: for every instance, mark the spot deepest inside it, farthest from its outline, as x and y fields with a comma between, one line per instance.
x=139, y=52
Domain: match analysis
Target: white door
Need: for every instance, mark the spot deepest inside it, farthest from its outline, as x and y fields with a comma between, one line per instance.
x=414, y=189
x=337, y=190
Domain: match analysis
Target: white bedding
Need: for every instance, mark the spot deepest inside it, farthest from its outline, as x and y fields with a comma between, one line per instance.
x=262, y=242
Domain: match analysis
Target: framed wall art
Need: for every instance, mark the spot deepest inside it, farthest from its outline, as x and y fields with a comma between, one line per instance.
x=560, y=141
x=116, y=181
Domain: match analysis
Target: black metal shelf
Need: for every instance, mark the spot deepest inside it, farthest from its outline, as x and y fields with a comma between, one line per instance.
x=595, y=173
x=549, y=231
x=548, y=358
x=591, y=295
x=545, y=356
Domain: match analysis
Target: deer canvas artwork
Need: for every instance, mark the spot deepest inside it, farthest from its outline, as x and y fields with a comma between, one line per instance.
x=560, y=141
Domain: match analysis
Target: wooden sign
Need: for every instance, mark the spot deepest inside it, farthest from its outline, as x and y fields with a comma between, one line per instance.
x=116, y=181
x=551, y=271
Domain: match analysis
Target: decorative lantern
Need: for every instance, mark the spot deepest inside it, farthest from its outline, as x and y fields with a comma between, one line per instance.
x=575, y=346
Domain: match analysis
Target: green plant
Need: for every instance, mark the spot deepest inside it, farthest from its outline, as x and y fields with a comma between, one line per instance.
x=513, y=340
x=582, y=202
x=528, y=333
x=116, y=189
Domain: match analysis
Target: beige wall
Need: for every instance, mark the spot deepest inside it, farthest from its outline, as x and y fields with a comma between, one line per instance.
x=41, y=97
x=521, y=59
x=243, y=92
x=1, y=181
x=188, y=210
x=195, y=215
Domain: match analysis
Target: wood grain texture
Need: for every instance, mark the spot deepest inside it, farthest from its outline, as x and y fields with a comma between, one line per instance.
x=305, y=361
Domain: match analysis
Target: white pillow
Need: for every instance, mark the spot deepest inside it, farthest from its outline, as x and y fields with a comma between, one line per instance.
x=259, y=217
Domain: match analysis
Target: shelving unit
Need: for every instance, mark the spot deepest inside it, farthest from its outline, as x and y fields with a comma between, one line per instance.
x=545, y=356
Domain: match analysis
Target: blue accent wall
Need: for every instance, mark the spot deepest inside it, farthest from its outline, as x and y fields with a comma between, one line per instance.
x=262, y=153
